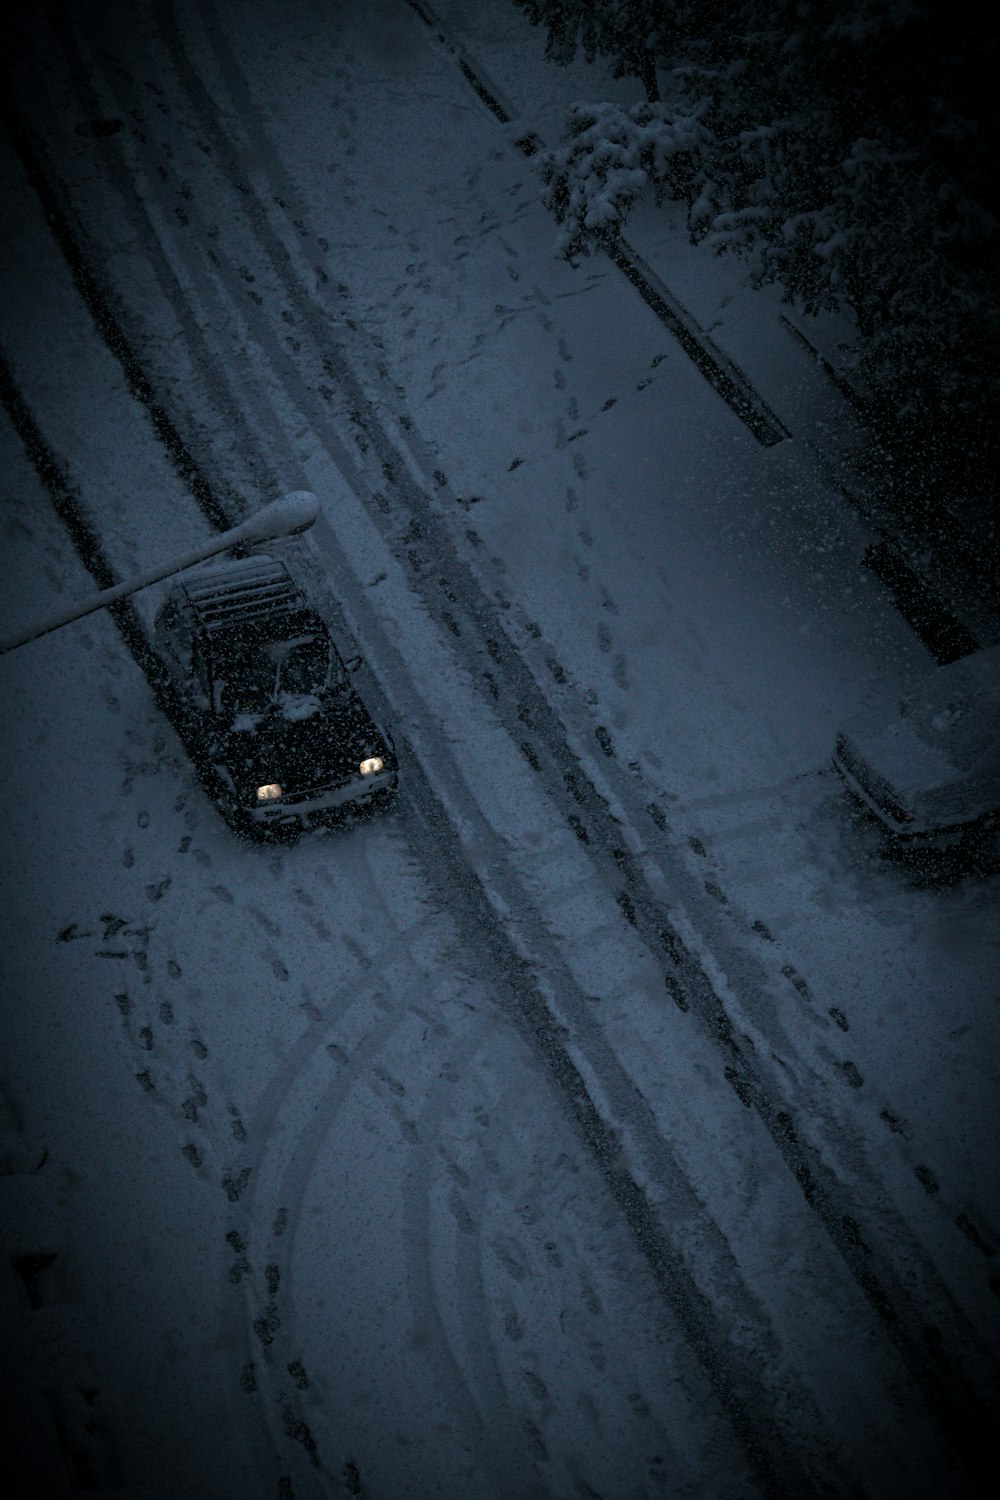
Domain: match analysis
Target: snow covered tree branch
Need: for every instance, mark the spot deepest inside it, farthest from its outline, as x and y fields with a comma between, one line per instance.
x=613, y=155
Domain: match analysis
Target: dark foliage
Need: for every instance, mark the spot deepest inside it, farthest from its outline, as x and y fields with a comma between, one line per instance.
x=847, y=150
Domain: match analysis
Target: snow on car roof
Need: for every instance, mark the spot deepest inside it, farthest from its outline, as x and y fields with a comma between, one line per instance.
x=251, y=589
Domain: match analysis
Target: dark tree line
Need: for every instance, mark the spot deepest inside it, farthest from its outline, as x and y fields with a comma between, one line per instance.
x=846, y=148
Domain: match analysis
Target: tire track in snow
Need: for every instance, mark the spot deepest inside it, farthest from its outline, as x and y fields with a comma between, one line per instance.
x=269, y=1290
x=469, y=613
x=125, y=158
x=209, y=1123
x=100, y=308
x=524, y=1391
x=280, y=1186
x=290, y=1186
x=69, y=507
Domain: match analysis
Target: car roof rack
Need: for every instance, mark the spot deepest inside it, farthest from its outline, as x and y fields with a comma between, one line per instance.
x=253, y=589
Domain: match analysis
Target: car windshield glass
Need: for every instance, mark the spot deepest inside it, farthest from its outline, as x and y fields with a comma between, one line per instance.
x=303, y=664
x=247, y=683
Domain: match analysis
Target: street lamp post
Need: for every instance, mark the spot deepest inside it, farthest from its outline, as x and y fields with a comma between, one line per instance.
x=288, y=516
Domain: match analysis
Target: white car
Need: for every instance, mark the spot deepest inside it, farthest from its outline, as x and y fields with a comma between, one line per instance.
x=929, y=766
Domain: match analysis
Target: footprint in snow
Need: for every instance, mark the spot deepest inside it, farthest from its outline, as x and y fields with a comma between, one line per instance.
x=511, y=1258
x=458, y=1174
x=461, y=1214
x=393, y=1084
x=604, y=740
x=512, y=1326
x=535, y=1385
x=591, y=1301
x=71, y=933
x=234, y=1186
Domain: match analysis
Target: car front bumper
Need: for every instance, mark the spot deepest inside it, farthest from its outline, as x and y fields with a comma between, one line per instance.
x=305, y=808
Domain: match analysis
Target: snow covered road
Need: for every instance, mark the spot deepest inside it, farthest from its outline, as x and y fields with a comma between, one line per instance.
x=581, y=1127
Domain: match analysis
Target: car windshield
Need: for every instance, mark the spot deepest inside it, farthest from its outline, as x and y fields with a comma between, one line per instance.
x=246, y=683
x=303, y=664
x=249, y=678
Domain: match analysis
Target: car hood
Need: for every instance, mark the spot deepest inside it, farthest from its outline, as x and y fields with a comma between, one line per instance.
x=302, y=744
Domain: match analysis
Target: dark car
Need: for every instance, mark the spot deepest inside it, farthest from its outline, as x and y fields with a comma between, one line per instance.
x=270, y=702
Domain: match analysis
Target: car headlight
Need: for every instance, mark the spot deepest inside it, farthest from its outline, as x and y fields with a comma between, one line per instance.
x=269, y=792
x=372, y=765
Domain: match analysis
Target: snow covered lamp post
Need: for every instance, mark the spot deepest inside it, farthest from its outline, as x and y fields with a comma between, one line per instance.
x=288, y=516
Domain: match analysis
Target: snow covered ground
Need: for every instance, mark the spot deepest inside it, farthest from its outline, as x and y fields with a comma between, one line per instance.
x=401, y=1162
